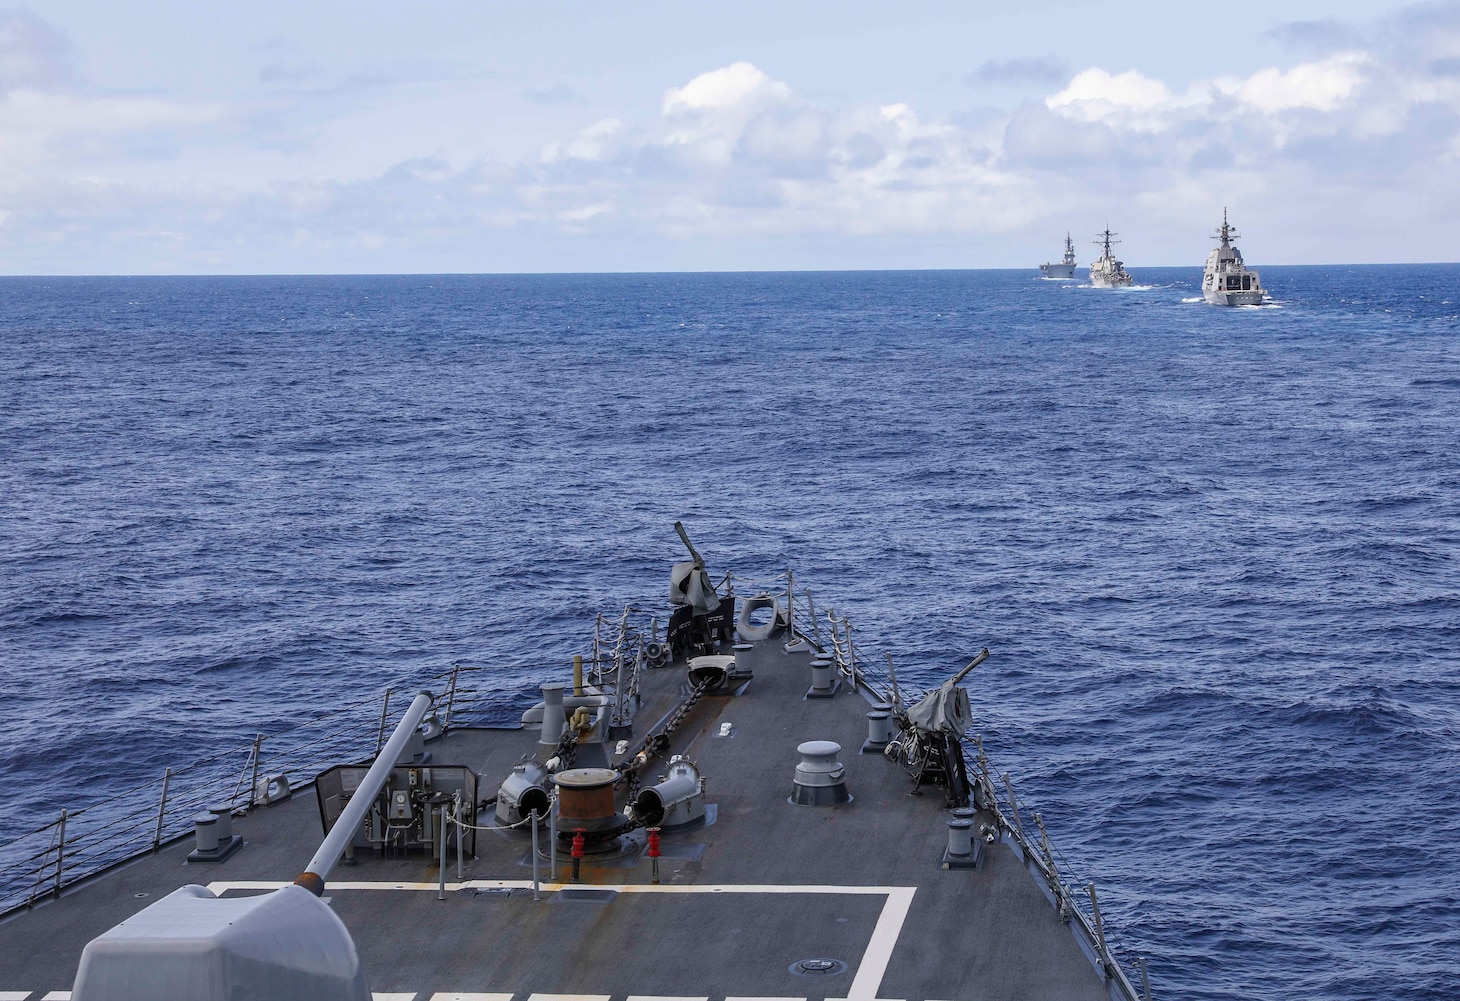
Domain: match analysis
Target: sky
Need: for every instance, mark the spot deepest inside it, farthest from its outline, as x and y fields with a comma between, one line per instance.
x=542, y=135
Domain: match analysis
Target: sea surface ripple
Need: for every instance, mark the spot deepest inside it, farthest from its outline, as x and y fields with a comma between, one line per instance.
x=1213, y=551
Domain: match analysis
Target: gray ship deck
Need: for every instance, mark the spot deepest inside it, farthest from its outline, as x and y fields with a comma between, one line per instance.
x=742, y=899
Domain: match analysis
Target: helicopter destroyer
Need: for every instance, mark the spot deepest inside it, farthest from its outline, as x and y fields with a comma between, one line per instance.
x=1066, y=267
x=1226, y=280
x=720, y=810
x=1107, y=272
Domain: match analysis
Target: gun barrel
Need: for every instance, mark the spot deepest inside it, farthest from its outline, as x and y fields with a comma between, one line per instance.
x=983, y=655
x=693, y=552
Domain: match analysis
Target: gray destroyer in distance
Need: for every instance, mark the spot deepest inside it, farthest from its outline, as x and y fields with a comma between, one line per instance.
x=1107, y=272
x=1226, y=280
x=742, y=804
x=1066, y=267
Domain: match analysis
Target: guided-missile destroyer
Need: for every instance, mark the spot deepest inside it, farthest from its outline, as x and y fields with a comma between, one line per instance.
x=740, y=804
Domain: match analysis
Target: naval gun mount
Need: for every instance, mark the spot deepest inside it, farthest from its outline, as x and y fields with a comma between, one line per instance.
x=929, y=743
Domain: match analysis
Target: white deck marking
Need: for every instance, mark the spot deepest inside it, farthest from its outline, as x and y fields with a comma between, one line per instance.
x=57, y=996
x=864, y=985
x=460, y=996
x=404, y=996
x=735, y=997
x=14, y=995
x=655, y=997
x=879, y=950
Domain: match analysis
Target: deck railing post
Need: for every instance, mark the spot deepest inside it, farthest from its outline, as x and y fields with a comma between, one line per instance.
x=460, y=836
x=253, y=782
x=790, y=607
x=441, y=857
x=450, y=698
x=1145, y=980
x=1056, y=884
x=1014, y=809
x=1099, y=930
x=161, y=809
x=811, y=611
x=60, y=851
x=384, y=710
x=536, y=883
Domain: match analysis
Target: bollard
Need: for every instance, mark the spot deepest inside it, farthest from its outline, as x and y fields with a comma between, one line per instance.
x=654, y=851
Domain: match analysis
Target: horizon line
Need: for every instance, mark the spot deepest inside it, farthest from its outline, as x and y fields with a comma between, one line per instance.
x=1034, y=269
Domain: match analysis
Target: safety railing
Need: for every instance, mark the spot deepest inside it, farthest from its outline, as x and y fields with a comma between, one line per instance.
x=1081, y=907
x=142, y=818
x=82, y=842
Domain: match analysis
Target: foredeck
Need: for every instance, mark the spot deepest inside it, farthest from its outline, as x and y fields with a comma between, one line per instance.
x=742, y=899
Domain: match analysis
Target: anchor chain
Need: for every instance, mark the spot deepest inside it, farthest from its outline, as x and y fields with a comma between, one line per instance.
x=656, y=743
x=567, y=750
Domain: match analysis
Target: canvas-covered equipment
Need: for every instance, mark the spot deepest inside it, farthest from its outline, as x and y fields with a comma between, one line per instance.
x=946, y=708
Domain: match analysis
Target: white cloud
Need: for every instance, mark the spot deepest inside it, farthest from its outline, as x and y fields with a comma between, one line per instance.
x=733, y=155
x=592, y=143
x=738, y=87
x=1097, y=95
x=1320, y=86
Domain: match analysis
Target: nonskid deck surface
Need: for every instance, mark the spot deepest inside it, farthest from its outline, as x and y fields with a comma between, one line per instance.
x=743, y=900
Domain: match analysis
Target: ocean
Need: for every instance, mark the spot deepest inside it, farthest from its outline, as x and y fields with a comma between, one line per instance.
x=1213, y=551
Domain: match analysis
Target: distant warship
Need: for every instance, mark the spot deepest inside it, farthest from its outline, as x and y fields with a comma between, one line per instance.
x=1107, y=272
x=1066, y=267
x=1227, y=281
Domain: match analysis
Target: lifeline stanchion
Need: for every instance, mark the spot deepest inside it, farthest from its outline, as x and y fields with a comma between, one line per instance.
x=536, y=891
x=654, y=851
x=460, y=837
x=441, y=859
x=577, y=852
x=553, y=842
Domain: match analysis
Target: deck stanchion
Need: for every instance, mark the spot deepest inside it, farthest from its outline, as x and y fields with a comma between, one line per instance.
x=1105, y=962
x=553, y=839
x=790, y=608
x=536, y=883
x=450, y=698
x=441, y=858
x=460, y=837
x=380, y=735
x=811, y=611
x=161, y=808
x=1014, y=809
x=253, y=782
x=60, y=851
x=1145, y=980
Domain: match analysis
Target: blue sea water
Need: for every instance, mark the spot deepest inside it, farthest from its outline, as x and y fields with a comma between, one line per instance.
x=1213, y=551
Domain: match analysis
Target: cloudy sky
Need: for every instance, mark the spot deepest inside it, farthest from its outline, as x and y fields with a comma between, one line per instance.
x=540, y=135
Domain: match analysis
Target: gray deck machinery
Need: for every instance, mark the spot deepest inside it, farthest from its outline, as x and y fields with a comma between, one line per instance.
x=588, y=757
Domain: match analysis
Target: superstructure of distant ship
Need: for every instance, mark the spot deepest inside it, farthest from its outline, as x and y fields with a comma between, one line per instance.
x=1066, y=267
x=1107, y=272
x=1227, y=281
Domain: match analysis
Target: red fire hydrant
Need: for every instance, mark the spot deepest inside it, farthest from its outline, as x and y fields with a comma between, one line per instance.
x=577, y=851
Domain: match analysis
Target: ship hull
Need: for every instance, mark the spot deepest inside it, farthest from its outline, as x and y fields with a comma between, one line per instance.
x=1218, y=297
x=1057, y=270
x=1105, y=281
